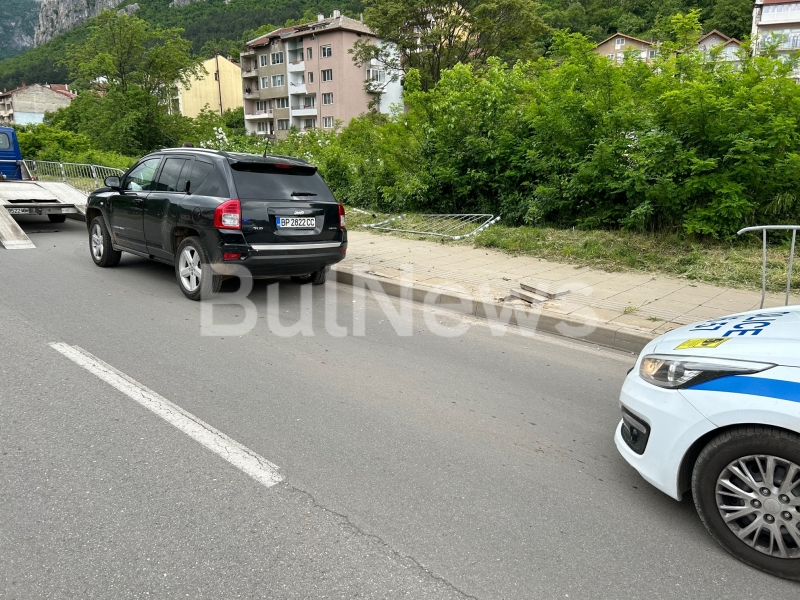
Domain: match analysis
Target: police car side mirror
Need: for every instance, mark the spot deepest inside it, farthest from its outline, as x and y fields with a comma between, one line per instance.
x=112, y=182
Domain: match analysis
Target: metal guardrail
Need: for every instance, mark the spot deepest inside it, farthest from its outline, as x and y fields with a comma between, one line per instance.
x=763, y=229
x=85, y=178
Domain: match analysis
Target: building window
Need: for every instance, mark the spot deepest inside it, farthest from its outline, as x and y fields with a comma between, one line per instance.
x=261, y=105
x=283, y=124
x=620, y=41
x=263, y=127
x=309, y=123
x=652, y=53
x=308, y=102
x=262, y=60
x=327, y=98
x=309, y=54
x=264, y=83
x=310, y=77
x=282, y=103
x=326, y=51
x=377, y=75
x=327, y=122
x=277, y=58
x=277, y=81
x=611, y=56
x=216, y=76
x=327, y=75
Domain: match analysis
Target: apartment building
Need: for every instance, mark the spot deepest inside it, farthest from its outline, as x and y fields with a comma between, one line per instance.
x=618, y=45
x=304, y=77
x=28, y=104
x=776, y=21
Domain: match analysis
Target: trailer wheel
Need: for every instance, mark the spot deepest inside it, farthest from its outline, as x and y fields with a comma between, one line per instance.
x=103, y=254
x=57, y=218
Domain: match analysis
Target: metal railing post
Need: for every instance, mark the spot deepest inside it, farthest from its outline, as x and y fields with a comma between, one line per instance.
x=94, y=176
x=63, y=172
x=763, y=229
x=791, y=264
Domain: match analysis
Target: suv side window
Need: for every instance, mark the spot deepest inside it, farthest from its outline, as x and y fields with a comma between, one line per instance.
x=214, y=183
x=5, y=141
x=170, y=174
x=141, y=178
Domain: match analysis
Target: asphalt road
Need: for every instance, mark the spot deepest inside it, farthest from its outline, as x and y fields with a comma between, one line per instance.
x=414, y=466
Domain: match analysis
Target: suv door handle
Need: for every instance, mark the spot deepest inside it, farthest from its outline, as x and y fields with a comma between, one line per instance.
x=138, y=200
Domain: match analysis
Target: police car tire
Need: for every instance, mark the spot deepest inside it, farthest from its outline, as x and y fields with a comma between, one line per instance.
x=716, y=456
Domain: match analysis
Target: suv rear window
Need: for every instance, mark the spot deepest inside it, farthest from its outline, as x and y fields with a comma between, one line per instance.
x=5, y=142
x=273, y=182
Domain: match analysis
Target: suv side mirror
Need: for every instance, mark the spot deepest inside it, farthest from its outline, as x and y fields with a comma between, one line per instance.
x=112, y=182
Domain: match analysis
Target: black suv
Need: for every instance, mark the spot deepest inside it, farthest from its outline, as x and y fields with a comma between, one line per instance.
x=196, y=208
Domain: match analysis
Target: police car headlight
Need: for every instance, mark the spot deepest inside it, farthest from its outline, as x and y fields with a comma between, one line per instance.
x=677, y=372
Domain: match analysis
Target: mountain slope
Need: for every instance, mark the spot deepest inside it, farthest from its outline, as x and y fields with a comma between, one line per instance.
x=58, y=16
x=18, y=20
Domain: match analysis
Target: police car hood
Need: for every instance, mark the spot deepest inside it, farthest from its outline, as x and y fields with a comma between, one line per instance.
x=766, y=335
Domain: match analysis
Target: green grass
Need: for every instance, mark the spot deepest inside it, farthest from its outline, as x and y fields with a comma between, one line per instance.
x=736, y=265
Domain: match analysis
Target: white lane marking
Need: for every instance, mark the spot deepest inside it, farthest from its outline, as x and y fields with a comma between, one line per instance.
x=235, y=453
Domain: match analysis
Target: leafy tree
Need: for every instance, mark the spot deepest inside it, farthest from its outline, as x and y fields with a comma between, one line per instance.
x=433, y=36
x=732, y=17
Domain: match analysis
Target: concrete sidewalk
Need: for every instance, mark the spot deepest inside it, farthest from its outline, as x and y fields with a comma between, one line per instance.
x=641, y=304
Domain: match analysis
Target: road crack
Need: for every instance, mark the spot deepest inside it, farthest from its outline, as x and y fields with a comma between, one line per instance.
x=360, y=532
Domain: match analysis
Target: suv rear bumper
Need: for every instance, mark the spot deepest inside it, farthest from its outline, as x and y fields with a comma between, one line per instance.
x=264, y=260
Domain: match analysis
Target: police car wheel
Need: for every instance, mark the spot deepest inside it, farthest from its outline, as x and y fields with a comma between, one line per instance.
x=746, y=487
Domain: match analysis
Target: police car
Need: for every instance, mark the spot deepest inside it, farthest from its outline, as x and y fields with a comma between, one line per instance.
x=714, y=408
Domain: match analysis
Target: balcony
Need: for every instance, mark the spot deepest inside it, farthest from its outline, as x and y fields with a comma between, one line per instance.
x=296, y=67
x=249, y=73
x=297, y=88
x=304, y=110
x=250, y=94
x=259, y=114
x=777, y=13
x=248, y=52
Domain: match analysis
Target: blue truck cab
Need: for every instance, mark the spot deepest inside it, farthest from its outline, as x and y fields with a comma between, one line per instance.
x=10, y=155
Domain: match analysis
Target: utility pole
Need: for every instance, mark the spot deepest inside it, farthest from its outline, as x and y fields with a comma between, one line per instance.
x=219, y=83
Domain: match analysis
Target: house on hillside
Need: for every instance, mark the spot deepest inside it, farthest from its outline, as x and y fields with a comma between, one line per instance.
x=219, y=90
x=618, y=45
x=28, y=104
x=715, y=39
x=303, y=76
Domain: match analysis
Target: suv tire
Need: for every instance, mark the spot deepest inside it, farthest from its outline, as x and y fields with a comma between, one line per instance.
x=319, y=277
x=103, y=253
x=774, y=503
x=196, y=277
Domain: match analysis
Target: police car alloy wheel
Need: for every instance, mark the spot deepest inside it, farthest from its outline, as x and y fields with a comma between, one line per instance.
x=746, y=487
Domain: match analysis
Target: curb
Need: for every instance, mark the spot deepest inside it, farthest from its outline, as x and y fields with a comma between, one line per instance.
x=611, y=336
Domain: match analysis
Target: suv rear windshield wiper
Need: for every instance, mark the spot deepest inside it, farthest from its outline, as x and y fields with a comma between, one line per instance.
x=303, y=194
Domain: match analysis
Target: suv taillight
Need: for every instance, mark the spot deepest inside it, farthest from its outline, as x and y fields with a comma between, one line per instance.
x=228, y=215
x=341, y=217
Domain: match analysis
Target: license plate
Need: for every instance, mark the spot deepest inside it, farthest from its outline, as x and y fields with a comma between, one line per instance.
x=18, y=211
x=296, y=222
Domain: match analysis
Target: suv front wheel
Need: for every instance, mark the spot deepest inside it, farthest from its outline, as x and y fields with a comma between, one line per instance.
x=196, y=278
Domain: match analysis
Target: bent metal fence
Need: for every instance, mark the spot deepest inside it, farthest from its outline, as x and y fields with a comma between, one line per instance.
x=85, y=178
x=454, y=227
x=763, y=229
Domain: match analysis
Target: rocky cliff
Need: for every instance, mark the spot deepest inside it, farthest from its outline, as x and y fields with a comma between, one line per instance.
x=17, y=24
x=57, y=16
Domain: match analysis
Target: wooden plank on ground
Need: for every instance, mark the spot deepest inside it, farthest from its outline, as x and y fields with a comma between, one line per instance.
x=11, y=235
